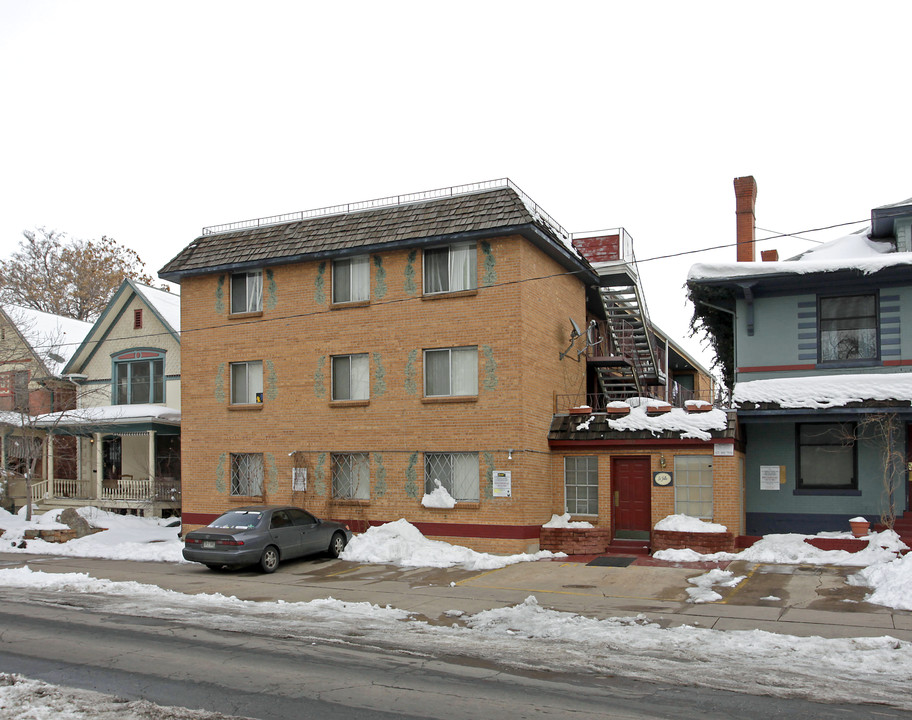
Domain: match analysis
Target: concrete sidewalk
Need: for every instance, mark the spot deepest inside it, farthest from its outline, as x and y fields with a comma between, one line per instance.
x=790, y=599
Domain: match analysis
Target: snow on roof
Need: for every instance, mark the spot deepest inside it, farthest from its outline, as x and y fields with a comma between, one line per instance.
x=824, y=391
x=111, y=414
x=851, y=252
x=166, y=304
x=689, y=425
x=53, y=337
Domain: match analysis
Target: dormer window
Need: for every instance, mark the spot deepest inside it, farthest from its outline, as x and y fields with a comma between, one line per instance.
x=139, y=377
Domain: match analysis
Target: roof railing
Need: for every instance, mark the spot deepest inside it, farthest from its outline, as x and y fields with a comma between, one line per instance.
x=394, y=201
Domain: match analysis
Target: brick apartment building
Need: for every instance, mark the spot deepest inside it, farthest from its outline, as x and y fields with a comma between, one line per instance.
x=348, y=360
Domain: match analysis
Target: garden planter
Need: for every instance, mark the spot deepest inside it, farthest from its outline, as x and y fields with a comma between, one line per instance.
x=860, y=527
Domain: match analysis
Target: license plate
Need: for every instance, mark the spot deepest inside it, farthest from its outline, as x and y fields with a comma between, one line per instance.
x=209, y=544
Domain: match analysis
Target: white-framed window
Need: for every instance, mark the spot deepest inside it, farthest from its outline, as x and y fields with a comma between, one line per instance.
x=450, y=268
x=457, y=472
x=247, y=382
x=693, y=484
x=351, y=280
x=581, y=485
x=451, y=371
x=247, y=292
x=246, y=474
x=351, y=476
x=848, y=328
x=350, y=377
x=139, y=377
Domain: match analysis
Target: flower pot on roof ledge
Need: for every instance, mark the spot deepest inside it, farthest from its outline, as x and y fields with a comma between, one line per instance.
x=618, y=410
x=697, y=406
x=581, y=410
x=658, y=409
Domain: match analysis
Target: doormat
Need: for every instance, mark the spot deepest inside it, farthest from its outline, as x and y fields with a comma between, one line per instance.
x=611, y=561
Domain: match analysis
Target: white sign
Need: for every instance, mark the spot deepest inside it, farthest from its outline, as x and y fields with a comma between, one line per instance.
x=724, y=450
x=503, y=483
x=299, y=479
x=769, y=477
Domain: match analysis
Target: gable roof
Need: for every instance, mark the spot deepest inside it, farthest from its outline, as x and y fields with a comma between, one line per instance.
x=52, y=339
x=164, y=305
x=473, y=215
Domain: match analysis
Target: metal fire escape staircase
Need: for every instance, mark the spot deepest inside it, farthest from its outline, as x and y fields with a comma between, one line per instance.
x=631, y=366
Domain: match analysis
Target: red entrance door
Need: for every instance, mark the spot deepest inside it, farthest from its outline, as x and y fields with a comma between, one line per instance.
x=631, y=495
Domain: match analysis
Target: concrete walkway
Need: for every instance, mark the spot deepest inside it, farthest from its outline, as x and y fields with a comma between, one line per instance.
x=790, y=599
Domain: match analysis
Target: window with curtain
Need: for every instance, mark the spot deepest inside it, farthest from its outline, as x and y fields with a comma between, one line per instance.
x=827, y=456
x=457, y=472
x=350, y=377
x=139, y=378
x=450, y=269
x=246, y=474
x=247, y=292
x=581, y=485
x=451, y=371
x=247, y=382
x=693, y=484
x=351, y=280
x=351, y=476
x=848, y=328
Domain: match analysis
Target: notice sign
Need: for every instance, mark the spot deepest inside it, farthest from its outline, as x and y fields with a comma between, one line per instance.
x=503, y=483
x=769, y=477
x=724, y=450
x=299, y=479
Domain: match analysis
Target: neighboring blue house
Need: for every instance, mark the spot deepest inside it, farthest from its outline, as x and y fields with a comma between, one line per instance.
x=818, y=350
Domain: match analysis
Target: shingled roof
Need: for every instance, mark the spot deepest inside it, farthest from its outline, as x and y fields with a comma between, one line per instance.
x=487, y=213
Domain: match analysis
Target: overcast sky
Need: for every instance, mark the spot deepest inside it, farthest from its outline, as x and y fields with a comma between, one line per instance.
x=147, y=121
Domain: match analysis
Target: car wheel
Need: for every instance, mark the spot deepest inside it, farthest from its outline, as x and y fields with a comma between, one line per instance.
x=270, y=559
x=337, y=544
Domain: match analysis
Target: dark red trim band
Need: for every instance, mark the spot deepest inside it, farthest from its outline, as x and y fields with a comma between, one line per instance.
x=632, y=444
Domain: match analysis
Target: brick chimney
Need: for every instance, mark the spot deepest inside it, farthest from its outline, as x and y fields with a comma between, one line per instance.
x=745, y=199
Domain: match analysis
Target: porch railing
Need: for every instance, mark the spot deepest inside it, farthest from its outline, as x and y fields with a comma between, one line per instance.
x=128, y=489
x=71, y=488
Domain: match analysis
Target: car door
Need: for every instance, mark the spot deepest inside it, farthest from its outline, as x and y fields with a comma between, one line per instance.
x=284, y=534
x=310, y=531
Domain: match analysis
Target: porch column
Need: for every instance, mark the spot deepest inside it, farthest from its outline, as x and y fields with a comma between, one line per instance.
x=49, y=470
x=151, y=454
x=99, y=468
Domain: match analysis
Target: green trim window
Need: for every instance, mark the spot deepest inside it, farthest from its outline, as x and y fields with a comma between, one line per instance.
x=139, y=377
x=848, y=328
x=581, y=485
x=827, y=456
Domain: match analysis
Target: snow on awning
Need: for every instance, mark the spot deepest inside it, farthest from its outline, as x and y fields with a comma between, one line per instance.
x=825, y=391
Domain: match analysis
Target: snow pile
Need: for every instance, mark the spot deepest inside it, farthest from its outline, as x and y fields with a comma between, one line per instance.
x=891, y=582
x=563, y=521
x=109, y=413
x=439, y=498
x=36, y=700
x=823, y=391
x=703, y=592
x=791, y=549
x=677, y=420
x=125, y=537
x=686, y=523
x=401, y=543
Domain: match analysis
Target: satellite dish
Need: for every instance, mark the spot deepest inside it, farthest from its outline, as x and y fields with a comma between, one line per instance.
x=576, y=330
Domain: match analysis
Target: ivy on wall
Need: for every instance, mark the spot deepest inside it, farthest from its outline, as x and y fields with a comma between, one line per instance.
x=319, y=285
x=379, y=376
x=220, y=295
x=380, y=484
x=489, y=277
x=490, y=368
x=220, y=485
x=717, y=326
x=410, y=287
x=489, y=475
x=272, y=291
x=379, y=278
x=411, y=373
x=220, y=383
x=411, y=477
x=319, y=377
x=272, y=381
x=320, y=475
x=272, y=486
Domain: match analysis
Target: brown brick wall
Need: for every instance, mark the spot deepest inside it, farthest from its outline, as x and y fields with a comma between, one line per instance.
x=701, y=542
x=519, y=328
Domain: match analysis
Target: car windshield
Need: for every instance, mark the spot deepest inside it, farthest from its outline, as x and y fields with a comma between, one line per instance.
x=243, y=519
